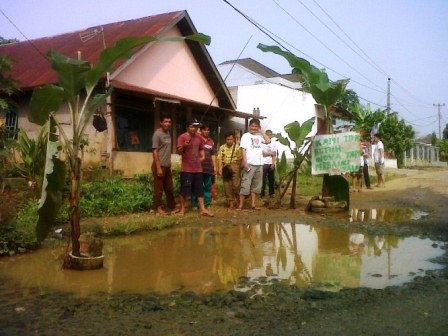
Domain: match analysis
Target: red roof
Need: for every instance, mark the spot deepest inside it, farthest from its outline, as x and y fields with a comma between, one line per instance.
x=32, y=68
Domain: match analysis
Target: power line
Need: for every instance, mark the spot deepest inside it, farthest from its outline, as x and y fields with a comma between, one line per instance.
x=342, y=30
x=410, y=94
x=367, y=59
x=322, y=43
x=268, y=33
x=373, y=63
x=21, y=33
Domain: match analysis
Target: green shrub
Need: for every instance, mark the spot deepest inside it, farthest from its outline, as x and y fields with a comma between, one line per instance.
x=20, y=232
x=25, y=223
x=115, y=196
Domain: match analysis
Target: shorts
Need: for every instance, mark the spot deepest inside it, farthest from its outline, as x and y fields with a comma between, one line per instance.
x=379, y=168
x=251, y=181
x=191, y=184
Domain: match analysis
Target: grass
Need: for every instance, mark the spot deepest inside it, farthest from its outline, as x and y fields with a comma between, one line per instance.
x=309, y=185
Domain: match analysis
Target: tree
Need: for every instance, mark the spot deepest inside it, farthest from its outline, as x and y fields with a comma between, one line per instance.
x=443, y=145
x=366, y=119
x=348, y=100
x=8, y=86
x=32, y=153
x=7, y=41
x=316, y=82
x=445, y=133
x=297, y=134
x=77, y=88
x=433, y=138
x=397, y=136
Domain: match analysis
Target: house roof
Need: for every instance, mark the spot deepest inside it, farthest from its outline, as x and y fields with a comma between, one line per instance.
x=263, y=70
x=255, y=66
x=31, y=67
x=342, y=113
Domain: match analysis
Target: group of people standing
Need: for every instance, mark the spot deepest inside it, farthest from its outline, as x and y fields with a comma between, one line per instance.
x=245, y=167
x=378, y=159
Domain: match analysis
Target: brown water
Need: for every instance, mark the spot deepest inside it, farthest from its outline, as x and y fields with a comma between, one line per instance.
x=385, y=215
x=213, y=258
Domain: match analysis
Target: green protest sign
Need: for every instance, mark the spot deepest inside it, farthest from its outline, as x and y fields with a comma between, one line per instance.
x=335, y=154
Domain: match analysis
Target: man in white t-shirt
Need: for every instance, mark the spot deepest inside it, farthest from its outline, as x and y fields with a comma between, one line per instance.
x=251, y=145
x=378, y=159
x=269, y=162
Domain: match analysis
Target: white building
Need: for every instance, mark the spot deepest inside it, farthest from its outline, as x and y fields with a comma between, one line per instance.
x=258, y=89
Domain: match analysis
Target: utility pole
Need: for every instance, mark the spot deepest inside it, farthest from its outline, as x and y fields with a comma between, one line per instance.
x=440, y=117
x=388, y=96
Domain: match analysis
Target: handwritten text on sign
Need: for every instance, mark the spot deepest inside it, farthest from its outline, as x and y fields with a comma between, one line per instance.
x=335, y=153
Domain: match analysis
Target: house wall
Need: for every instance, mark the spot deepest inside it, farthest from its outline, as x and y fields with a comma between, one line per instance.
x=278, y=99
x=279, y=104
x=95, y=151
x=167, y=67
x=241, y=76
x=132, y=163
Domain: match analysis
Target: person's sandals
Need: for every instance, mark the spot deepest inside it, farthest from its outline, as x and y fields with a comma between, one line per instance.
x=207, y=214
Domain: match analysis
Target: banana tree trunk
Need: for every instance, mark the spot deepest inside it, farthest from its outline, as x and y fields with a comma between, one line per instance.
x=75, y=184
x=325, y=187
x=292, y=201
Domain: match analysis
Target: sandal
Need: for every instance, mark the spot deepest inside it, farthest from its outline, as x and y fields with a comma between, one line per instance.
x=207, y=214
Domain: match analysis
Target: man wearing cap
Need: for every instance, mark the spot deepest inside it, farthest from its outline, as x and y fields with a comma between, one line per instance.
x=191, y=148
x=208, y=166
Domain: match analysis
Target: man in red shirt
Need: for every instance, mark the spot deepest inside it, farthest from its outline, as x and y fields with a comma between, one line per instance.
x=191, y=148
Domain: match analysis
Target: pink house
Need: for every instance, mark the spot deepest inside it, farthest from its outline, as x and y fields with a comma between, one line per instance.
x=179, y=78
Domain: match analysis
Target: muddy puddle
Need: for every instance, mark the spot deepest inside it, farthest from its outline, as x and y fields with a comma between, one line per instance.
x=213, y=258
x=385, y=215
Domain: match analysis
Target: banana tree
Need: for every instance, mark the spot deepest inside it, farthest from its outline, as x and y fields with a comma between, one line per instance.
x=316, y=82
x=296, y=134
x=32, y=153
x=77, y=89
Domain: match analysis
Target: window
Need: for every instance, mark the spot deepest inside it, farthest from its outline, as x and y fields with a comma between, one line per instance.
x=134, y=125
x=11, y=124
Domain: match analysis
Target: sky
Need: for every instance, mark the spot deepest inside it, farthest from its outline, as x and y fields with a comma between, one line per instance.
x=366, y=41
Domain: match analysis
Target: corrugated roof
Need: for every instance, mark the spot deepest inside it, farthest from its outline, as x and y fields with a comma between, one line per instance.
x=31, y=68
x=255, y=66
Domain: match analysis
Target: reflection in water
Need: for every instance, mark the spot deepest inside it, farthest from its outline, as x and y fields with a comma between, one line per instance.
x=384, y=215
x=213, y=258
